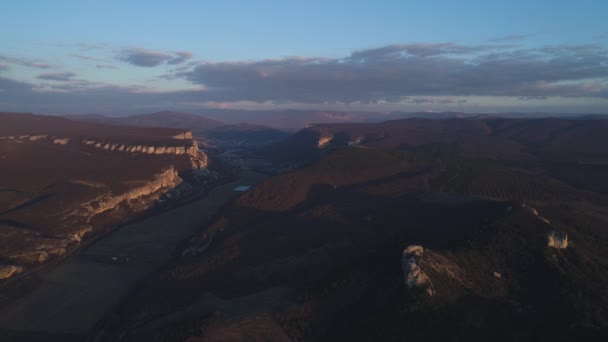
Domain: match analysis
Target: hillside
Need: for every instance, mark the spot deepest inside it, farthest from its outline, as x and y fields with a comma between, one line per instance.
x=63, y=181
x=571, y=150
x=556, y=140
x=319, y=254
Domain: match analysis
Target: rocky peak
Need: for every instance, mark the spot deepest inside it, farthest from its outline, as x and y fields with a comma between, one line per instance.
x=413, y=274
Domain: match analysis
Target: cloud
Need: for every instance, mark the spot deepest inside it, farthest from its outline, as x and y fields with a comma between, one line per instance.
x=59, y=76
x=407, y=75
x=105, y=66
x=422, y=50
x=80, y=95
x=509, y=38
x=88, y=58
x=528, y=98
x=33, y=63
x=432, y=100
x=180, y=57
x=149, y=58
x=3, y=67
x=91, y=46
x=394, y=72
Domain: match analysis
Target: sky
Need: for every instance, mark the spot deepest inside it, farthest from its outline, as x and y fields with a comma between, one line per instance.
x=123, y=57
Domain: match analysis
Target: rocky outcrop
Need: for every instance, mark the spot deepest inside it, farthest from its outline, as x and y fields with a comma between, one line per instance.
x=37, y=137
x=324, y=141
x=25, y=137
x=413, y=274
x=183, y=144
x=356, y=141
x=180, y=149
x=37, y=249
x=7, y=271
x=190, y=149
x=184, y=136
x=414, y=250
x=161, y=183
x=557, y=239
x=79, y=234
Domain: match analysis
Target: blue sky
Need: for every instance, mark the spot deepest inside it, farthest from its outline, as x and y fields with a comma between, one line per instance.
x=73, y=55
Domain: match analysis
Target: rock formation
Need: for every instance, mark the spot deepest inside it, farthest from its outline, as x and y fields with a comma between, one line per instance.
x=197, y=158
x=184, y=136
x=185, y=145
x=89, y=177
x=413, y=274
x=161, y=183
x=324, y=141
x=557, y=239
x=7, y=271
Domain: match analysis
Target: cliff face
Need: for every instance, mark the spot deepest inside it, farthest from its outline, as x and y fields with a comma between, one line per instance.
x=189, y=148
x=6, y=271
x=185, y=135
x=179, y=145
x=63, y=181
x=161, y=183
x=30, y=248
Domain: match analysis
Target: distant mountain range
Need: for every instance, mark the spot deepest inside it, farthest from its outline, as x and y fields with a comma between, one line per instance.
x=295, y=119
x=196, y=123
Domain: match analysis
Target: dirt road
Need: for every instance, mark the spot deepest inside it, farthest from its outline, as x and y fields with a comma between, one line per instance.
x=76, y=294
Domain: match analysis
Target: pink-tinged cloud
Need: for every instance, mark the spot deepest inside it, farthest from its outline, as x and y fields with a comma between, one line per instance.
x=395, y=72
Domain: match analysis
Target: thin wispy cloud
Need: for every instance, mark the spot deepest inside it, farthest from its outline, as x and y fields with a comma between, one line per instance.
x=180, y=57
x=434, y=100
x=105, y=66
x=509, y=38
x=33, y=63
x=423, y=50
x=59, y=76
x=529, y=98
x=91, y=46
x=88, y=58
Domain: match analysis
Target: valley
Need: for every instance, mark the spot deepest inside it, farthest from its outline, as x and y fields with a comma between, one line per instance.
x=490, y=228
x=316, y=253
x=304, y=171
x=77, y=293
